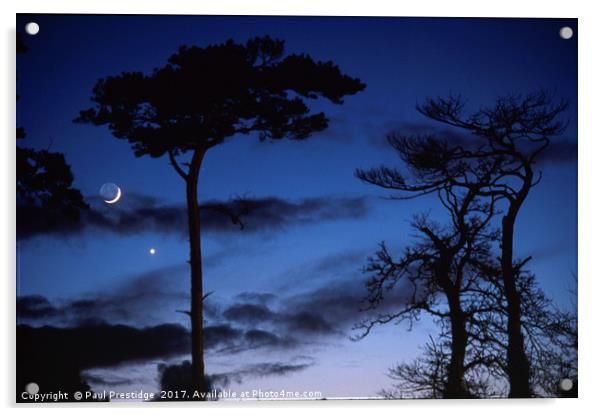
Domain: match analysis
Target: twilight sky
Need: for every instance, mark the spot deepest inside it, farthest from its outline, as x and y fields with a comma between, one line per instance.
x=287, y=288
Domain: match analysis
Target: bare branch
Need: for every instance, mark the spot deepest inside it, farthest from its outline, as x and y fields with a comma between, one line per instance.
x=176, y=166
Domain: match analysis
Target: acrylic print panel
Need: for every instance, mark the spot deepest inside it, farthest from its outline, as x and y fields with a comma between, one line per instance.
x=233, y=208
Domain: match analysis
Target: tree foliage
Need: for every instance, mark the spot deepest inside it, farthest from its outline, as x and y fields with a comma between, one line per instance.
x=207, y=94
x=45, y=192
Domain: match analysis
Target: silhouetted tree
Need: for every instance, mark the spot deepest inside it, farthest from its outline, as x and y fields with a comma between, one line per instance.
x=567, y=340
x=44, y=360
x=45, y=192
x=550, y=342
x=427, y=376
x=424, y=377
x=508, y=139
x=177, y=382
x=444, y=263
x=204, y=96
x=550, y=333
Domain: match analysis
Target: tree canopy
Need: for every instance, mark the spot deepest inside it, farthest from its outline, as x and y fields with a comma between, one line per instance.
x=207, y=94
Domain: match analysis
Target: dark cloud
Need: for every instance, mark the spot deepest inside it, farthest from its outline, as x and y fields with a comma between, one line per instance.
x=289, y=316
x=336, y=306
x=262, y=298
x=308, y=322
x=239, y=328
x=101, y=345
x=45, y=352
x=223, y=336
x=140, y=300
x=55, y=358
x=344, y=264
x=303, y=322
x=52, y=355
x=329, y=307
x=254, y=321
x=258, y=338
x=331, y=302
x=147, y=214
x=560, y=150
x=275, y=213
x=248, y=313
x=227, y=339
x=251, y=321
x=259, y=370
x=35, y=307
x=83, y=317
x=177, y=377
x=112, y=381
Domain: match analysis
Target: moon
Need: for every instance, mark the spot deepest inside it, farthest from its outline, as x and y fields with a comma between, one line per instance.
x=152, y=251
x=110, y=193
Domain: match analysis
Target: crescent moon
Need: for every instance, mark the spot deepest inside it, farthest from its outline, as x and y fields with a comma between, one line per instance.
x=112, y=201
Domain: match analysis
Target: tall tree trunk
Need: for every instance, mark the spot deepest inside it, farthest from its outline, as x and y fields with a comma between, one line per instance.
x=196, y=272
x=455, y=387
x=518, y=365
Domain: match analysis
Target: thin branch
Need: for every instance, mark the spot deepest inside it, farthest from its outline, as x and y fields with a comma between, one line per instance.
x=177, y=167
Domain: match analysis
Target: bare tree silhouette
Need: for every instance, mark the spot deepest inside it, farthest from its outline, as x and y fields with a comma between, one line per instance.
x=204, y=96
x=550, y=343
x=500, y=161
x=550, y=333
x=445, y=261
x=550, y=340
x=427, y=376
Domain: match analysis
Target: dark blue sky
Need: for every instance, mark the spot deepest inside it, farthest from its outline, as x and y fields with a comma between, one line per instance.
x=402, y=61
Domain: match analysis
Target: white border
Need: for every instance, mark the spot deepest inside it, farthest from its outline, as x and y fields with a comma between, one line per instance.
x=590, y=230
